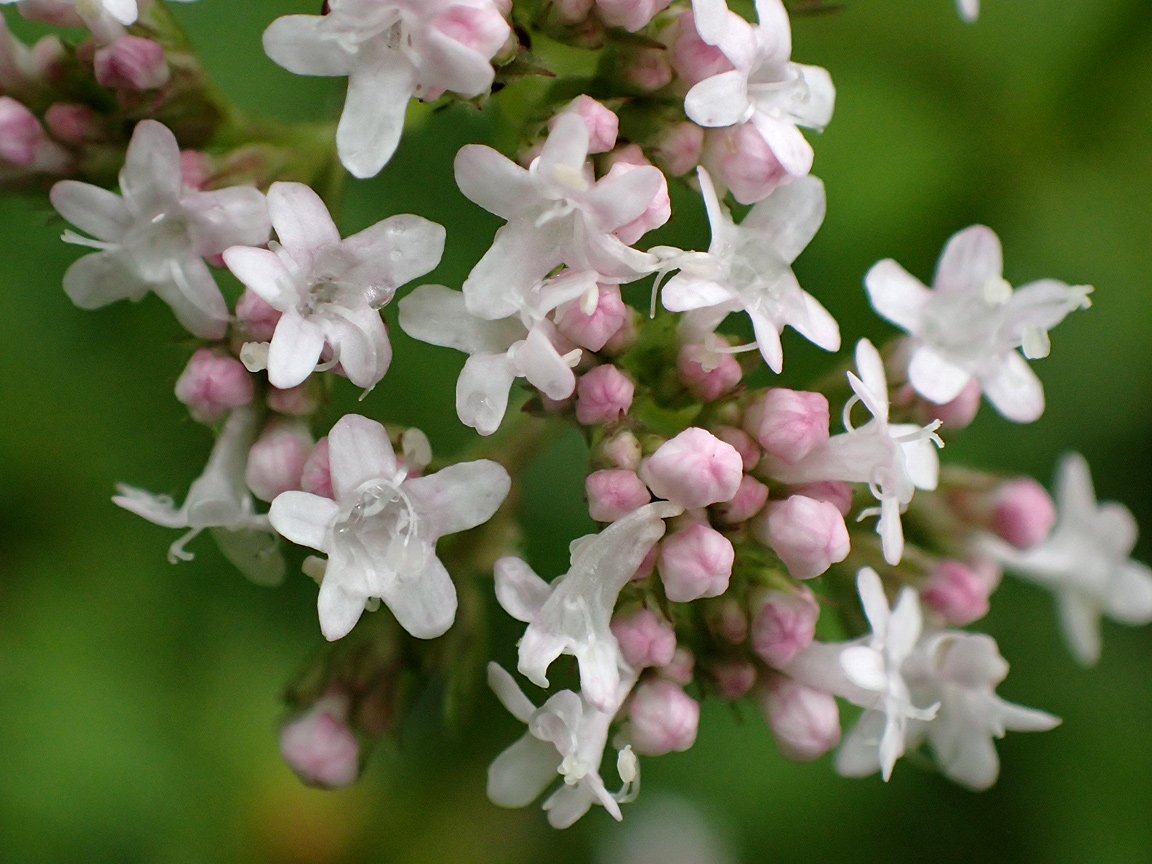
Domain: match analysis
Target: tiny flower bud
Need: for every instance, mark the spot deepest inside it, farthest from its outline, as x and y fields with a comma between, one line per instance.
x=748, y=501
x=808, y=535
x=1022, y=512
x=315, y=476
x=299, y=401
x=742, y=160
x=743, y=443
x=960, y=411
x=706, y=374
x=213, y=384
x=276, y=460
x=647, y=565
x=319, y=746
x=572, y=11
x=480, y=28
x=73, y=123
x=678, y=152
x=788, y=423
x=622, y=450
x=645, y=640
x=258, y=317
x=694, y=469
x=783, y=624
x=959, y=592
x=647, y=69
x=682, y=667
x=656, y=214
x=603, y=124
x=835, y=492
x=614, y=493
x=21, y=135
x=131, y=63
x=732, y=678
x=594, y=328
x=726, y=619
x=804, y=721
x=626, y=336
x=195, y=168
x=632, y=15
x=663, y=718
x=692, y=57
x=603, y=395
x=695, y=562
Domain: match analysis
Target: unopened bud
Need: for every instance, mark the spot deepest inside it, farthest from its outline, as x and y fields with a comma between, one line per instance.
x=835, y=492
x=694, y=469
x=749, y=500
x=131, y=63
x=695, y=562
x=257, y=316
x=804, y=721
x=783, y=624
x=603, y=124
x=481, y=27
x=789, y=424
x=645, y=640
x=692, y=57
x=319, y=746
x=678, y=152
x=659, y=207
x=732, y=678
x=73, y=123
x=728, y=621
x=959, y=591
x=632, y=15
x=622, y=450
x=276, y=460
x=808, y=535
x=603, y=395
x=592, y=329
x=299, y=401
x=316, y=476
x=742, y=160
x=708, y=375
x=663, y=718
x=1022, y=512
x=213, y=384
x=614, y=493
x=681, y=668
x=742, y=441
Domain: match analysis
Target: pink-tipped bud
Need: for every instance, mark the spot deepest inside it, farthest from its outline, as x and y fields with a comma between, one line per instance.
x=319, y=746
x=707, y=375
x=804, y=721
x=783, y=624
x=742, y=160
x=603, y=124
x=742, y=441
x=614, y=493
x=299, y=401
x=626, y=336
x=694, y=469
x=678, y=151
x=195, y=168
x=572, y=11
x=632, y=15
x=73, y=123
x=663, y=718
x=659, y=208
x=276, y=460
x=728, y=621
x=592, y=328
x=1022, y=512
x=682, y=667
x=835, y=492
x=960, y=411
x=131, y=63
x=732, y=678
x=603, y=395
x=20, y=133
x=808, y=535
x=959, y=591
x=647, y=69
x=692, y=57
x=258, y=317
x=789, y=424
x=622, y=450
x=695, y=562
x=749, y=500
x=645, y=640
x=316, y=476
x=213, y=384
x=480, y=28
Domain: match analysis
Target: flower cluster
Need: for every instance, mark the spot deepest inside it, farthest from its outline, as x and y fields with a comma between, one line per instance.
x=727, y=514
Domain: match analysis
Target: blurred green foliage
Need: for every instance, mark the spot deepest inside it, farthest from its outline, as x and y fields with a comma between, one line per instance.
x=139, y=702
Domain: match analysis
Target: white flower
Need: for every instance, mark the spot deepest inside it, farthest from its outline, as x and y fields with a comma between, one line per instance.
x=894, y=459
x=525, y=345
x=1085, y=561
x=565, y=736
x=218, y=500
x=105, y=18
x=380, y=532
x=969, y=325
x=156, y=236
x=764, y=89
x=391, y=50
x=748, y=266
x=330, y=289
x=969, y=10
x=571, y=615
x=556, y=213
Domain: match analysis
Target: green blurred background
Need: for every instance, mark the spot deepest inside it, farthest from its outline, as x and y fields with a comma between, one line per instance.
x=139, y=701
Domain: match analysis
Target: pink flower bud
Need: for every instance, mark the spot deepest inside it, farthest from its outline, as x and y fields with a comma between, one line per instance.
x=626, y=336
x=663, y=718
x=789, y=424
x=131, y=63
x=213, y=384
x=706, y=374
x=645, y=640
x=319, y=746
x=315, y=476
x=299, y=401
x=258, y=317
x=681, y=668
x=695, y=562
x=960, y=592
x=592, y=330
x=647, y=69
x=678, y=151
x=276, y=460
x=629, y=154
x=647, y=565
x=73, y=123
x=603, y=124
x=960, y=411
x=658, y=211
x=1022, y=512
x=749, y=500
x=622, y=450
x=195, y=169
x=572, y=11
x=783, y=624
x=741, y=160
x=694, y=469
x=804, y=721
x=732, y=678
x=727, y=621
x=808, y=535
x=480, y=28
x=692, y=57
x=632, y=15
x=23, y=142
x=835, y=492
x=603, y=395
x=614, y=493
x=742, y=441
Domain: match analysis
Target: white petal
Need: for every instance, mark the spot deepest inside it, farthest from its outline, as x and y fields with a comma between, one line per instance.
x=295, y=349
x=787, y=143
x=864, y=667
x=444, y=63
x=437, y=315
x=767, y=333
x=685, y=291
x=921, y=457
x=1114, y=527
x=301, y=219
x=373, y=118
x=537, y=359
x=812, y=102
x=102, y=278
x=236, y=216
x=361, y=341
x=358, y=451
x=493, y=181
x=521, y=255
x=263, y=272
x=157, y=509
x=1013, y=389
x=935, y=377
x=711, y=18
x=303, y=518
x=338, y=609
x=1017, y=718
x=622, y=197
x=896, y=294
x=519, y=775
x=460, y=496
x=565, y=149
x=874, y=601
x=566, y=805
x=859, y=755
x=1080, y=621
x=295, y=42
x=425, y=602
x=789, y=218
x=398, y=249
x=721, y=100
x=970, y=260
x=482, y=391
x=973, y=761
x=520, y=592
x=903, y=627
x=124, y=11
x=599, y=661
x=509, y=693
x=150, y=180
x=96, y=211
x=890, y=529
x=1129, y=597
x=254, y=552
x=871, y=369
x=814, y=322
x=1075, y=496
x=195, y=300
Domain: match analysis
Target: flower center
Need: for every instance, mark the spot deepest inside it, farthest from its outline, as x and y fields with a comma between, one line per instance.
x=382, y=528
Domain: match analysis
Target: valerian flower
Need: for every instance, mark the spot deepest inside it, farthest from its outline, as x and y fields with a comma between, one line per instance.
x=220, y=502
x=330, y=289
x=381, y=528
x=156, y=236
x=572, y=614
x=1085, y=562
x=566, y=736
x=391, y=50
x=969, y=325
x=105, y=18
